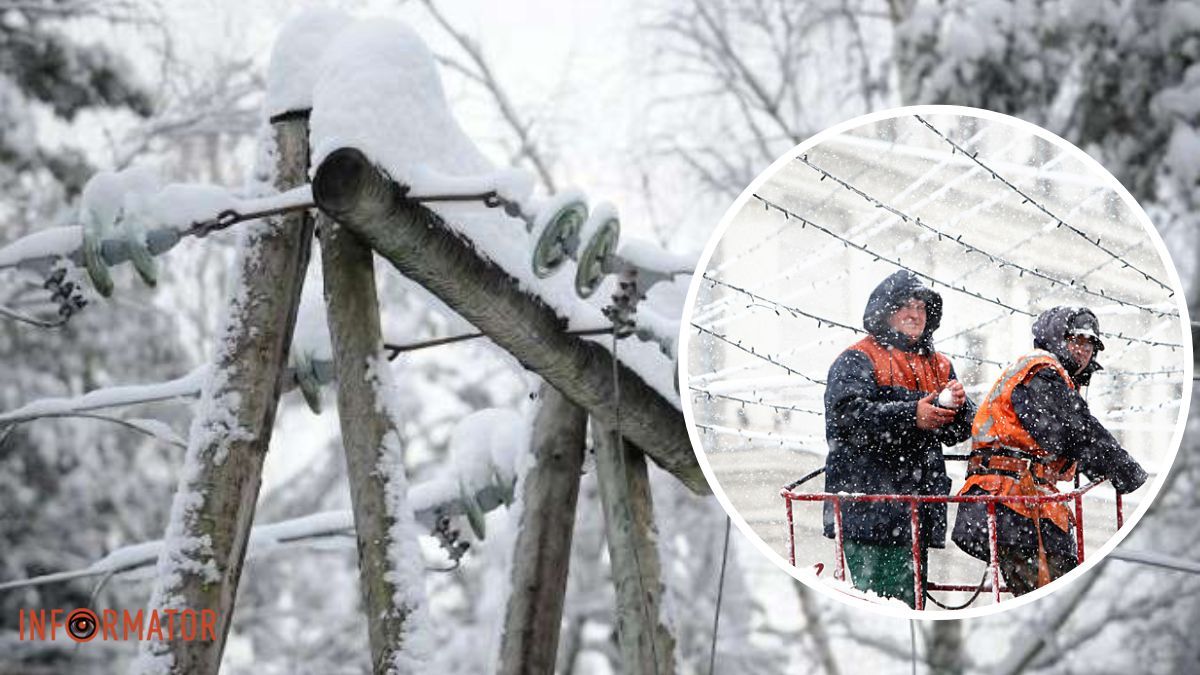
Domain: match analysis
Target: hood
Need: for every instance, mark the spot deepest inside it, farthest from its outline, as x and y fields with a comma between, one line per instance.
x=890, y=295
x=1049, y=333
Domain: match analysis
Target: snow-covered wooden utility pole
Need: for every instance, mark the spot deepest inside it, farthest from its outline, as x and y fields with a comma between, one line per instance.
x=542, y=551
x=419, y=244
x=206, y=540
x=647, y=646
x=369, y=436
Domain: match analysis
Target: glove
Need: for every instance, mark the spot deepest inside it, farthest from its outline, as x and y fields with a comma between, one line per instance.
x=1128, y=476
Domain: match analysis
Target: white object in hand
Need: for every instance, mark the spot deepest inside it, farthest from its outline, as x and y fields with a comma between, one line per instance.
x=945, y=399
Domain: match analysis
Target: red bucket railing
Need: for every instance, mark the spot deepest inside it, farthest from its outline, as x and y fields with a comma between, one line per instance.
x=839, y=569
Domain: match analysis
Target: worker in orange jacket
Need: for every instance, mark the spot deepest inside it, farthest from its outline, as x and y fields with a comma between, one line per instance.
x=1031, y=431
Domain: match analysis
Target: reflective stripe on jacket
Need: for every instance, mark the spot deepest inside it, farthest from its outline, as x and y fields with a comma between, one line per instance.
x=1005, y=459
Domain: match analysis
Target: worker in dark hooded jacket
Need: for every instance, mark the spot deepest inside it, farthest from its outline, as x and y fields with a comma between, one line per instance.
x=885, y=433
x=1033, y=430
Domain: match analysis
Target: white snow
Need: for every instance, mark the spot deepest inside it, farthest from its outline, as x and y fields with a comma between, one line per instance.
x=52, y=242
x=158, y=429
x=311, y=337
x=379, y=91
x=106, y=192
x=135, y=199
x=403, y=552
x=180, y=205
x=109, y=397
x=292, y=70
x=428, y=499
x=649, y=255
x=485, y=446
x=660, y=329
x=512, y=184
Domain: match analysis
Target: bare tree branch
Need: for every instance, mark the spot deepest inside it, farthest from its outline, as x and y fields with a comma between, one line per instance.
x=482, y=74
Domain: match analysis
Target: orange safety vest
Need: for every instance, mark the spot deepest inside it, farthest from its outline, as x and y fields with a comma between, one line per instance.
x=898, y=368
x=1005, y=460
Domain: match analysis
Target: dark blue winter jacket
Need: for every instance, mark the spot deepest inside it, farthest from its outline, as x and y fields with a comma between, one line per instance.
x=1058, y=419
x=875, y=446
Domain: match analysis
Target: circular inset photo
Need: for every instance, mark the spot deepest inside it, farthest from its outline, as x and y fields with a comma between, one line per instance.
x=935, y=361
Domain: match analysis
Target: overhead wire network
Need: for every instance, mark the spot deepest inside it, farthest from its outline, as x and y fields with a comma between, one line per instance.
x=934, y=281
x=1038, y=205
x=996, y=259
x=869, y=229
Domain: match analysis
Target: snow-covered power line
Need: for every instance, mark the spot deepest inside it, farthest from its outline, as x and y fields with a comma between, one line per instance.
x=788, y=214
x=751, y=351
x=822, y=321
x=994, y=258
x=745, y=401
x=869, y=229
x=799, y=443
x=758, y=245
x=1030, y=200
x=431, y=501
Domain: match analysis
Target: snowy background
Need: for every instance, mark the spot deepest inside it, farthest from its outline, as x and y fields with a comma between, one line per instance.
x=789, y=292
x=667, y=109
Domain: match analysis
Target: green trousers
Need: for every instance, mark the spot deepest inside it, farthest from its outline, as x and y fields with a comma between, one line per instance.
x=884, y=570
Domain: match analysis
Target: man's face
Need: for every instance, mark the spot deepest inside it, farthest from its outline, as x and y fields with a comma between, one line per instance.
x=909, y=320
x=1081, y=349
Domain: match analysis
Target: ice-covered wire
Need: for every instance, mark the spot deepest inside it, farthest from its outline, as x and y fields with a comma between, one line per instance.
x=828, y=198
x=870, y=229
x=994, y=258
x=803, y=444
x=1137, y=409
x=822, y=321
x=981, y=324
x=776, y=305
x=751, y=351
x=788, y=214
x=745, y=401
x=1030, y=200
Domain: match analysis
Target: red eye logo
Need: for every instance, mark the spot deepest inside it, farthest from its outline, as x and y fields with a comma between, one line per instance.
x=81, y=625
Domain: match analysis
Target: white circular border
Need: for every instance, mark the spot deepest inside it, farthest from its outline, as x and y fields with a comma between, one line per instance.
x=811, y=580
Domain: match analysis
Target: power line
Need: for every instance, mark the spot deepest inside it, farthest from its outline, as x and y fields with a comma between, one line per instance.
x=1030, y=200
x=767, y=239
x=821, y=321
x=872, y=228
x=787, y=214
x=760, y=402
x=994, y=258
x=799, y=443
x=751, y=351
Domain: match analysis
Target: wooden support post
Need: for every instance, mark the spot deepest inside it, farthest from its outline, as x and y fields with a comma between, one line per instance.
x=419, y=244
x=213, y=511
x=354, y=330
x=542, y=551
x=647, y=646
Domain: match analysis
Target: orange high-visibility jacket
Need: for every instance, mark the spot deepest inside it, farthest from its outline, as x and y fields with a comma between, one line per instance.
x=1005, y=459
x=898, y=368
